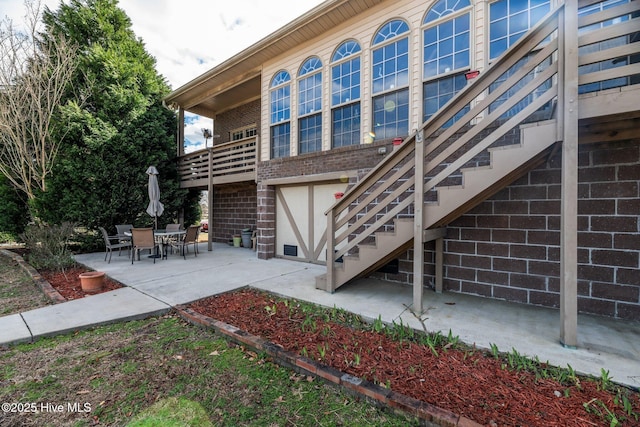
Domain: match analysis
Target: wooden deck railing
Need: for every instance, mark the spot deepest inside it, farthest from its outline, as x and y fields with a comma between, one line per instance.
x=225, y=163
x=522, y=85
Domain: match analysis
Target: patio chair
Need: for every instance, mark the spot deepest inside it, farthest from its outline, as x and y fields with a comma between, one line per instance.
x=173, y=227
x=121, y=229
x=191, y=238
x=143, y=238
x=173, y=241
x=113, y=242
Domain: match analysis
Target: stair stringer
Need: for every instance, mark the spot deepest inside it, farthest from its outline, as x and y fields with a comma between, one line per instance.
x=508, y=163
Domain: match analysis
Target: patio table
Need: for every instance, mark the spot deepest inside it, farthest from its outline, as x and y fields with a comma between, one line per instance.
x=164, y=236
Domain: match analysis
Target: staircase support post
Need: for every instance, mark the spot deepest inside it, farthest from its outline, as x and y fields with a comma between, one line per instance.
x=439, y=263
x=568, y=30
x=330, y=285
x=418, y=221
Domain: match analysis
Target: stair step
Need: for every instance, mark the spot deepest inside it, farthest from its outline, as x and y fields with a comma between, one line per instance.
x=506, y=162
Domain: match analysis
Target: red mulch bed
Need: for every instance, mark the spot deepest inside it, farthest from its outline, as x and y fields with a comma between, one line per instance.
x=466, y=381
x=67, y=283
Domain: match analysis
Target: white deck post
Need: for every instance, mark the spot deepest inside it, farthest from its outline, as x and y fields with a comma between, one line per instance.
x=439, y=263
x=180, y=132
x=568, y=29
x=210, y=201
x=418, y=222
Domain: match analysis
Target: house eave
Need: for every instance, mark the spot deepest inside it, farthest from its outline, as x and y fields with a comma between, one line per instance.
x=247, y=64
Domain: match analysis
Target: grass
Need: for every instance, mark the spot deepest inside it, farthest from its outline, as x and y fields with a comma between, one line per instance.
x=150, y=372
x=18, y=292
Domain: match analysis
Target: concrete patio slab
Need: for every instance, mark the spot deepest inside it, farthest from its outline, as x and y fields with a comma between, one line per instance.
x=604, y=343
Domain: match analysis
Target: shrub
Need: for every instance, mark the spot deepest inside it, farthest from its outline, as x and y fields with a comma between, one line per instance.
x=48, y=245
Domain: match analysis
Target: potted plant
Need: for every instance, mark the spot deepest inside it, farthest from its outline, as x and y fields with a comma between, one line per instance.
x=92, y=281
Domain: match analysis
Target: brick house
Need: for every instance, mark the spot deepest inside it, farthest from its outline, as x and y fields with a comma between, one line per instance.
x=526, y=120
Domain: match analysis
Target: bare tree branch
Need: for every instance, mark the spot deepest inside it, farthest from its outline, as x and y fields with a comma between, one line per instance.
x=34, y=75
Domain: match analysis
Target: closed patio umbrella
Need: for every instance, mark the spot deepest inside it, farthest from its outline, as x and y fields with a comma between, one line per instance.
x=155, y=208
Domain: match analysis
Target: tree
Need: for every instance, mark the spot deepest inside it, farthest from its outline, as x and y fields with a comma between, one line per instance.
x=34, y=77
x=122, y=128
x=12, y=208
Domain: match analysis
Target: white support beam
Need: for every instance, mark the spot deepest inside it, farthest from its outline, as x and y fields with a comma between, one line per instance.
x=569, y=198
x=180, y=132
x=418, y=223
x=439, y=264
x=210, y=205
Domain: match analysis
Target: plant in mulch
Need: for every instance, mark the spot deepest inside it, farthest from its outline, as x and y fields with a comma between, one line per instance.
x=490, y=387
x=67, y=282
x=47, y=246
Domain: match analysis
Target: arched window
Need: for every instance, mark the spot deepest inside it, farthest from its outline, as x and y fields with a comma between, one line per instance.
x=390, y=80
x=310, y=106
x=345, y=95
x=446, y=53
x=280, y=102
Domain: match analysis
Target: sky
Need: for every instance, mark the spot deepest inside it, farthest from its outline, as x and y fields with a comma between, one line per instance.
x=189, y=37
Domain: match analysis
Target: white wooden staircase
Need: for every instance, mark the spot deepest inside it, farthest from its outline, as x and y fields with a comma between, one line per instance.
x=512, y=115
x=507, y=164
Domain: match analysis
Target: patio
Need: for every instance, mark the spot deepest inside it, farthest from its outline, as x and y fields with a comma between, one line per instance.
x=604, y=343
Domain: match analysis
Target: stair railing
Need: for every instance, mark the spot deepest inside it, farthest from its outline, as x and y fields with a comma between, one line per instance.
x=515, y=86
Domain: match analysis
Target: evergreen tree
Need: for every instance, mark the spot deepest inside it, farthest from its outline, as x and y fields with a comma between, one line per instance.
x=120, y=130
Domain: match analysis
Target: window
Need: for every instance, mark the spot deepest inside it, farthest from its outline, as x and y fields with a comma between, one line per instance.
x=345, y=95
x=239, y=134
x=596, y=47
x=391, y=80
x=280, y=101
x=439, y=91
x=446, y=41
x=510, y=19
x=310, y=106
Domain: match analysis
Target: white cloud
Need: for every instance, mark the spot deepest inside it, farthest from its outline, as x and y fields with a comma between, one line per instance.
x=189, y=37
x=194, y=139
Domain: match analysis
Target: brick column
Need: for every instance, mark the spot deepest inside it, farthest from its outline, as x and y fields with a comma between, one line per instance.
x=266, y=221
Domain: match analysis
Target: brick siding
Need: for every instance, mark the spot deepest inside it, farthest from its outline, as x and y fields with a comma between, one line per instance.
x=338, y=159
x=266, y=221
x=508, y=247
x=234, y=209
x=237, y=118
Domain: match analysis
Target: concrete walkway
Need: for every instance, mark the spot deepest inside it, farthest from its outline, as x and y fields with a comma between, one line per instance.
x=152, y=289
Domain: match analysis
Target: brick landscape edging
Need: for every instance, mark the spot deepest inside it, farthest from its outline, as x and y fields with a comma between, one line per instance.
x=427, y=413
x=51, y=292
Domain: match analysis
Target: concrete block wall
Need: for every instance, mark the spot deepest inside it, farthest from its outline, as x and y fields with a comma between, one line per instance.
x=266, y=221
x=508, y=247
x=234, y=209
